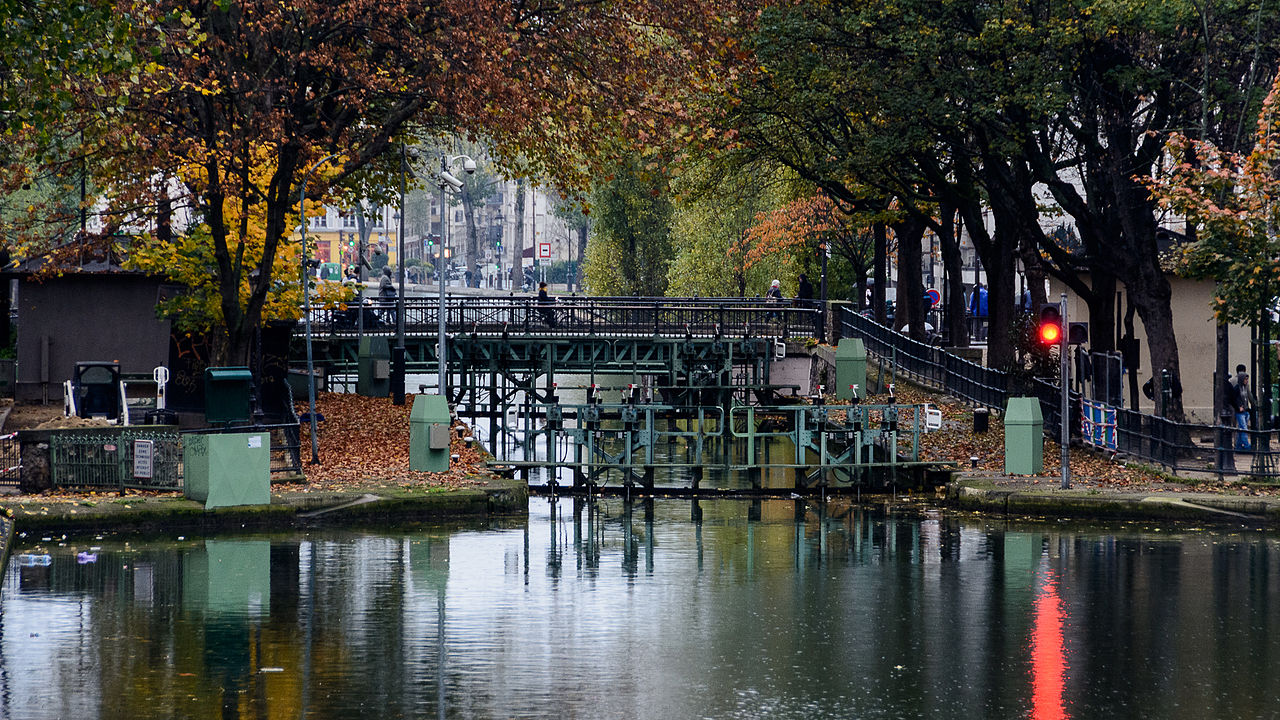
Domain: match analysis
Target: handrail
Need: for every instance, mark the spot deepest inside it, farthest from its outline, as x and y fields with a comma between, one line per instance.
x=699, y=318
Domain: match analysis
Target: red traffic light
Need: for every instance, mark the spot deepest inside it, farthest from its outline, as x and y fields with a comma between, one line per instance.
x=1050, y=330
x=1050, y=334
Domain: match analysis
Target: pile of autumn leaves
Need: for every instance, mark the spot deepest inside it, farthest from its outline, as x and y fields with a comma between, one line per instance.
x=365, y=441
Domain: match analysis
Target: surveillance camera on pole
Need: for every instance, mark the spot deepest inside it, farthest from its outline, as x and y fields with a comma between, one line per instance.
x=451, y=179
x=468, y=165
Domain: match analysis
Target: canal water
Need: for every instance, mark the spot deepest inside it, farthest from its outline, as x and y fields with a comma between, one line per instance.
x=668, y=609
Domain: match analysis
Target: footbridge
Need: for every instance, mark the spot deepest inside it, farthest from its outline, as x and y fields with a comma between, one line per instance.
x=652, y=383
x=685, y=346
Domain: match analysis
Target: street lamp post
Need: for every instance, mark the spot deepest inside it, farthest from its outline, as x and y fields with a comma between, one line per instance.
x=306, y=300
x=446, y=178
x=497, y=250
x=397, y=353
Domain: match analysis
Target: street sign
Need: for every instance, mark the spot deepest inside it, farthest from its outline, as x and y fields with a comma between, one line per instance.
x=544, y=251
x=934, y=296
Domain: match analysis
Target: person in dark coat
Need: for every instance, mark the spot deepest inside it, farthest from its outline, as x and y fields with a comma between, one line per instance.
x=546, y=303
x=387, y=294
x=1242, y=402
x=805, y=293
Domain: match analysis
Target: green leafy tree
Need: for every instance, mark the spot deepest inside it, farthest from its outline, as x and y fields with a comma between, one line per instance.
x=713, y=212
x=631, y=248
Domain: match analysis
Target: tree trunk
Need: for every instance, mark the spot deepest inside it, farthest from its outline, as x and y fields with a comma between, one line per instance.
x=953, y=312
x=881, y=235
x=910, y=305
x=582, y=253
x=1222, y=369
x=997, y=251
x=1102, y=313
x=1151, y=296
x=517, y=247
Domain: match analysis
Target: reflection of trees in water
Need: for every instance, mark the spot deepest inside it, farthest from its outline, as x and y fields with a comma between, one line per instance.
x=808, y=603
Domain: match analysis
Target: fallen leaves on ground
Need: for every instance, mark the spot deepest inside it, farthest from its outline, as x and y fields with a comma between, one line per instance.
x=364, y=441
x=957, y=442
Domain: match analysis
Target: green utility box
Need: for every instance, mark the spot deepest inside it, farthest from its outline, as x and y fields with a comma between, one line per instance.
x=1023, y=437
x=227, y=394
x=227, y=469
x=373, y=365
x=851, y=368
x=429, y=429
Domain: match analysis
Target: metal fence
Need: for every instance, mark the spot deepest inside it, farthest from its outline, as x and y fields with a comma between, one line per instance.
x=929, y=364
x=10, y=460
x=105, y=458
x=286, y=443
x=1186, y=449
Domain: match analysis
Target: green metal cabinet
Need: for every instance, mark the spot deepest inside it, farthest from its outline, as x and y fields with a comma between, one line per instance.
x=429, y=429
x=1023, y=437
x=227, y=469
x=227, y=394
x=373, y=367
x=851, y=368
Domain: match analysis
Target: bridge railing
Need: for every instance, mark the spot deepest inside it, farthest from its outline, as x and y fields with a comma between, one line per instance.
x=571, y=315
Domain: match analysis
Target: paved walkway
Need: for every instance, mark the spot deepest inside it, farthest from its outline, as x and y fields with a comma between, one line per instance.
x=1173, y=501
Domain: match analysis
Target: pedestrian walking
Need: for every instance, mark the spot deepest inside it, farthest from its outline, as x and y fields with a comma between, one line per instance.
x=774, y=295
x=545, y=305
x=978, y=311
x=805, y=293
x=387, y=294
x=1242, y=402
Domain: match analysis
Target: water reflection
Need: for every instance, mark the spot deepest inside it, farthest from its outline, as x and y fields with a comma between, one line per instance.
x=656, y=609
x=1048, y=654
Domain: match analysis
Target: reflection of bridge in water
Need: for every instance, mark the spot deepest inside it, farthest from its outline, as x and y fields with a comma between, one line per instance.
x=703, y=377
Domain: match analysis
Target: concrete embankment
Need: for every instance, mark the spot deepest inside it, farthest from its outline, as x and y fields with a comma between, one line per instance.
x=989, y=495
x=494, y=496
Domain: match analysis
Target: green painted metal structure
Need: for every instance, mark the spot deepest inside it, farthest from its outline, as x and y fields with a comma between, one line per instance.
x=701, y=390
x=429, y=433
x=1023, y=437
x=228, y=469
x=826, y=446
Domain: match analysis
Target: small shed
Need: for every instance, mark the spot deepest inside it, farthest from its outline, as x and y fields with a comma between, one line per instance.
x=96, y=311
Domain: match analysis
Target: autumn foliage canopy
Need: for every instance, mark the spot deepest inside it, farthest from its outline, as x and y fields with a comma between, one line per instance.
x=218, y=108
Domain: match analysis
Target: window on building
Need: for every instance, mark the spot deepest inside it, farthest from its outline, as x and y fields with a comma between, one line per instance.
x=457, y=216
x=348, y=220
x=320, y=221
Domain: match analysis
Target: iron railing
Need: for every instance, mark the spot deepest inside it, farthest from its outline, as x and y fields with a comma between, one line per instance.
x=1188, y=449
x=286, y=443
x=570, y=315
x=10, y=459
x=104, y=458
x=928, y=364
x=1182, y=448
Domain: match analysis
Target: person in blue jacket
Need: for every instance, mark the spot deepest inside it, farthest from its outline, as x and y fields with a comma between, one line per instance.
x=978, y=311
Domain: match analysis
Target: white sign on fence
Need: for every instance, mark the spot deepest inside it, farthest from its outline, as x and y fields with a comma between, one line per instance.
x=143, y=458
